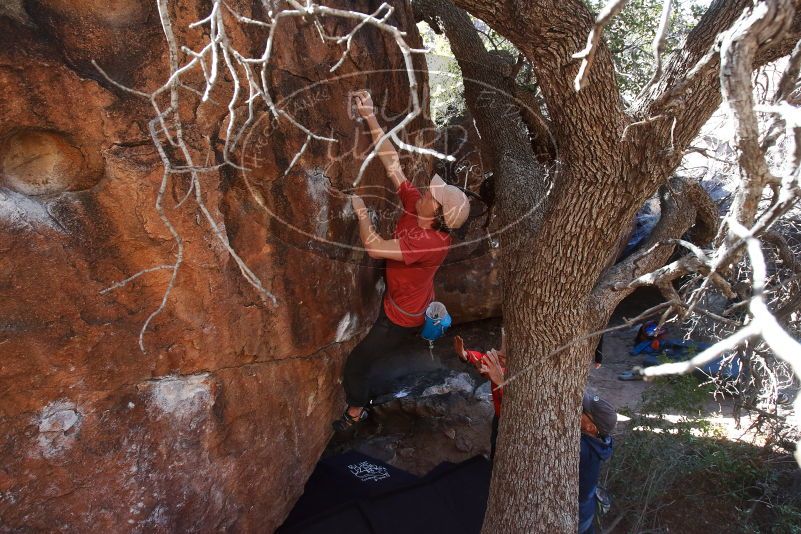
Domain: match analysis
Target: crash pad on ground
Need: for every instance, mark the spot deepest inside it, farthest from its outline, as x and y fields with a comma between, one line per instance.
x=354, y=493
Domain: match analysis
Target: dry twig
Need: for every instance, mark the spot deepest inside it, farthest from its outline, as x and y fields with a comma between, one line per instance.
x=587, y=55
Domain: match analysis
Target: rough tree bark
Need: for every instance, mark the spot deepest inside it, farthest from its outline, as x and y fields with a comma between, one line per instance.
x=556, y=274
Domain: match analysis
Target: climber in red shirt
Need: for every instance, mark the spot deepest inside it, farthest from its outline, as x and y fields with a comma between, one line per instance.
x=418, y=247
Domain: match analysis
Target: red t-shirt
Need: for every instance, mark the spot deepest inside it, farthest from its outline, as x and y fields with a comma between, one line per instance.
x=474, y=357
x=411, y=281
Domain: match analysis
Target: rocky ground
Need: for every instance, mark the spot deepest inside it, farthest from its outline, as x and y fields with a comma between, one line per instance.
x=716, y=476
x=433, y=408
x=436, y=408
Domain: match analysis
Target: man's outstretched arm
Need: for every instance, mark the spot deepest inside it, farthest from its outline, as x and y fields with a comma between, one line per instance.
x=376, y=246
x=386, y=152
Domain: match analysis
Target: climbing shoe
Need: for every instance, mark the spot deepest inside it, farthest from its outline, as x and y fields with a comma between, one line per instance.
x=347, y=421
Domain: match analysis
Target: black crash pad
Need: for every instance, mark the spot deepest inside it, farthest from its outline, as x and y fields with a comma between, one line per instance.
x=353, y=493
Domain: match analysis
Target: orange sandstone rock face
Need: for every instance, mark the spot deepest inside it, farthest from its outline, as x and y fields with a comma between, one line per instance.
x=218, y=425
x=40, y=162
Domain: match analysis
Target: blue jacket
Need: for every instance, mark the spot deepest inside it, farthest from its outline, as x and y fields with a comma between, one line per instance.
x=593, y=452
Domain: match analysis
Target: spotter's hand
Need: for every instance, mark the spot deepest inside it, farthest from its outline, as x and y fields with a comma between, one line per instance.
x=458, y=346
x=491, y=367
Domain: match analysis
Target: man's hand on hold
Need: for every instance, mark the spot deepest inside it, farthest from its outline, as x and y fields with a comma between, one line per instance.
x=364, y=103
x=359, y=207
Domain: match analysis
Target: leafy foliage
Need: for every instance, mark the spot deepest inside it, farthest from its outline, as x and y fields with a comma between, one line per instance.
x=629, y=37
x=445, y=77
x=631, y=34
x=676, y=394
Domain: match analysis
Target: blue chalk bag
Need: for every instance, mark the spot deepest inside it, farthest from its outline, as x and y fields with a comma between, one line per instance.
x=437, y=321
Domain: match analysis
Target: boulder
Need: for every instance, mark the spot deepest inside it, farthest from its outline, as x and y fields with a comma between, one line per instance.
x=468, y=283
x=217, y=424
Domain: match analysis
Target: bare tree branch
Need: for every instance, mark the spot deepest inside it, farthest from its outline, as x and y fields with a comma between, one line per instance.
x=659, y=45
x=587, y=56
x=763, y=324
x=687, y=205
x=703, y=358
x=767, y=21
x=650, y=312
x=123, y=283
x=216, y=55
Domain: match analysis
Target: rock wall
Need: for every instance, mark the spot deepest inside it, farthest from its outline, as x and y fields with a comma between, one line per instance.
x=218, y=424
x=468, y=283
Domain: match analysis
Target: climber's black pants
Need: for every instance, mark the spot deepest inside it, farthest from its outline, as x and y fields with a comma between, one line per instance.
x=383, y=338
x=494, y=435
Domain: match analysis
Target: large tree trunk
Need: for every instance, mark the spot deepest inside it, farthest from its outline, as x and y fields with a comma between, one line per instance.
x=539, y=432
x=549, y=300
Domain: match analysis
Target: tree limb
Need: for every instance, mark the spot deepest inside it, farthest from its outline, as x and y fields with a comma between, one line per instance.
x=767, y=21
x=687, y=204
x=659, y=43
x=689, y=89
x=490, y=97
x=548, y=33
x=587, y=56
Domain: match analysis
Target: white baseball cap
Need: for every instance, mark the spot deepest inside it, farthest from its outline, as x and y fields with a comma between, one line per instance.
x=455, y=206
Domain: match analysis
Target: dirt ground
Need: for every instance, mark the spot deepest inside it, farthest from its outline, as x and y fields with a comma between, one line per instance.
x=621, y=394
x=616, y=345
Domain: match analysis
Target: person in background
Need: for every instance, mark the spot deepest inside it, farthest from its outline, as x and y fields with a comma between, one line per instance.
x=491, y=365
x=650, y=339
x=598, y=420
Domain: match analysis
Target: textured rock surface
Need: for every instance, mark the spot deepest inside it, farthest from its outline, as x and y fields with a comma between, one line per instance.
x=219, y=424
x=439, y=410
x=468, y=283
